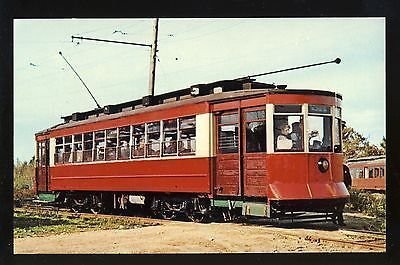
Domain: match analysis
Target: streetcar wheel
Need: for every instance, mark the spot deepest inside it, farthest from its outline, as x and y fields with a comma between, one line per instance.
x=166, y=211
x=96, y=205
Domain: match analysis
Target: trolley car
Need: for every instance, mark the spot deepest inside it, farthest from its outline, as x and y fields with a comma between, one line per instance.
x=368, y=173
x=223, y=149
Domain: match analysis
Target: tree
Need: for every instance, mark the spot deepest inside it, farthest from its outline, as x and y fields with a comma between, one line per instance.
x=356, y=145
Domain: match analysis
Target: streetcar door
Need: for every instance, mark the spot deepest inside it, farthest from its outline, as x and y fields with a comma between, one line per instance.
x=253, y=151
x=42, y=166
x=227, y=180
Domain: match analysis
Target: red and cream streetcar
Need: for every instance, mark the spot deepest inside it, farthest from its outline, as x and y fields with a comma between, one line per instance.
x=228, y=148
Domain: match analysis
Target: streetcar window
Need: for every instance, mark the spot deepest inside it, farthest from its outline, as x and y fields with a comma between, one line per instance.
x=371, y=173
x=87, y=147
x=138, y=140
x=77, y=155
x=123, y=142
x=99, y=143
x=320, y=133
x=187, y=136
x=360, y=173
x=111, y=144
x=287, y=108
x=170, y=136
x=228, y=133
x=288, y=132
x=59, y=150
x=337, y=136
x=153, y=139
x=376, y=172
x=382, y=172
x=255, y=131
x=321, y=109
x=59, y=140
x=67, y=155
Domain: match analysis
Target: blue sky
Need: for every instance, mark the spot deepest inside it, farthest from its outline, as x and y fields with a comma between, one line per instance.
x=192, y=51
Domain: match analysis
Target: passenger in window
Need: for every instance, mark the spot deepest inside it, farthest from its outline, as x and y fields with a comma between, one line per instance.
x=297, y=135
x=124, y=150
x=314, y=140
x=283, y=141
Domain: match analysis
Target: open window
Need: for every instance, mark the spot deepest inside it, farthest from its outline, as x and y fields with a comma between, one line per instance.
x=319, y=128
x=288, y=128
x=111, y=144
x=187, y=136
x=170, y=137
x=255, y=131
x=99, y=141
x=138, y=140
x=78, y=149
x=58, y=156
x=88, y=147
x=67, y=155
x=123, y=142
x=153, y=139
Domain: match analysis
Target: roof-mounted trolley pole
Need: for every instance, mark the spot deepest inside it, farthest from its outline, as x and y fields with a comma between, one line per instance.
x=337, y=60
x=98, y=106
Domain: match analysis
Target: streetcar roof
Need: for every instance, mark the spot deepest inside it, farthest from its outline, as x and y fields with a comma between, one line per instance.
x=234, y=89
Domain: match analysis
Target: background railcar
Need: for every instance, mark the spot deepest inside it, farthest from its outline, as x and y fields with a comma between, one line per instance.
x=368, y=173
x=221, y=149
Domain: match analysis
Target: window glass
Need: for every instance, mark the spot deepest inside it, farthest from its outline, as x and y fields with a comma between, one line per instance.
x=111, y=144
x=78, y=148
x=255, y=131
x=338, y=135
x=67, y=155
x=321, y=109
x=376, y=172
x=138, y=140
x=288, y=133
x=228, y=118
x=123, y=142
x=170, y=136
x=153, y=139
x=287, y=108
x=228, y=133
x=371, y=173
x=87, y=147
x=338, y=112
x=59, y=151
x=320, y=133
x=59, y=140
x=187, y=136
x=99, y=142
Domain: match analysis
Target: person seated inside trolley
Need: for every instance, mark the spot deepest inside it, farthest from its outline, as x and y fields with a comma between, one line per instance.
x=297, y=135
x=283, y=141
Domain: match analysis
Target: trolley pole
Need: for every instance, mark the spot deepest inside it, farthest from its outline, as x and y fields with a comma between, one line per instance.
x=153, y=59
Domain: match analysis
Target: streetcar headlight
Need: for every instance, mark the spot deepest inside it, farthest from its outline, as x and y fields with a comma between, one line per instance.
x=323, y=164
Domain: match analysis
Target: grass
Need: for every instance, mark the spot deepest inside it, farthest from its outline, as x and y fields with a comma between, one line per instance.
x=34, y=223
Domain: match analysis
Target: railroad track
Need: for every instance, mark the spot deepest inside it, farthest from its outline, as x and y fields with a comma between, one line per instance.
x=365, y=238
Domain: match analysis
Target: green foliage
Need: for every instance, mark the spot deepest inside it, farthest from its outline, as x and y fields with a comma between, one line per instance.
x=32, y=223
x=24, y=175
x=356, y=145
x=372, y=204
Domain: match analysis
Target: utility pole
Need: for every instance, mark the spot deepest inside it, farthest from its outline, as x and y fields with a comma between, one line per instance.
x=153, y=56
x=153, y=59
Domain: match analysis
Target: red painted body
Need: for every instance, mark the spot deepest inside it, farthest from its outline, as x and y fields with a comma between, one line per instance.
x=368, y=173
x=190, y=175
x=277, y=176
x=296, y=176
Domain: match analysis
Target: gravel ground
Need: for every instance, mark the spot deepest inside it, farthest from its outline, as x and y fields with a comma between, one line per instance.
x=187, y=237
